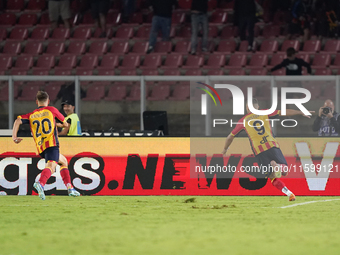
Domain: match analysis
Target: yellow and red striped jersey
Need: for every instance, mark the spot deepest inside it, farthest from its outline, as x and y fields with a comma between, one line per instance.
x=259, y=131
x=43, y=126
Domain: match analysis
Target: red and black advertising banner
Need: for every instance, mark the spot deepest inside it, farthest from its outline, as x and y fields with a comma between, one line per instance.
x=161, y=166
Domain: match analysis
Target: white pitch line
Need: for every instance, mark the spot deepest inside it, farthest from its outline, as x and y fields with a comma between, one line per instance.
x=309, y=202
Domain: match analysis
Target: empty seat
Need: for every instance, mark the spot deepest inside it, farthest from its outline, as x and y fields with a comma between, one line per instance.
x=290, y=44
x=163, y=47
x=44, y=20
x=113, y=18
x=321, y=60
x=88, y=62
x=134, y=93
x=76, y=48
x=218, y=17
x=61, y=33
x=136, y=18
x=258, y=71
x=184, y=32
x=84, y=71
x=108, y=62
x=87, y=19
x=140, y=47
x=36, y=5
x=3, y=33
x=271, y=31
x=237, y=60
x=15, y=5
x=184, y=4
x=269, y=46
x=152, y=61
x=82, y=33
x=7, y=19
x=258, y=60
x=97, y=35
x=182, y=47
x=312, y=46
x=212, y=31
x=106, y=72
x=279, y=72
x=28, y=19
x=178, y=17
x=19, y=33
x=215, y=72
x=33, y=48
x=5, y=62
x=124, y=32
x=180, y=92
x=66, y=62
x=4, y=92
x=151, y=72
x=52, y=90
x=336, y=63
x=277, y=59
x=226, y=47
x=55, y=48
x=40, y=33
x=304, y=56
x=116, y=93
x=323, y=71
x=237, y=71
x=215, y=61
x=332, y=46
x=229, y=32
x=159, y=92
x=18, y=72
x=12, y=48
x=62, y=72
x=98, y=48
x=29, y=91
x=45, y=62
x=171, y=72
x=128, y=72
x=173, y=61
x=143, y=32
x=44, y=71
x=130, y=62
x=119, y=48
x=193, y=62
x=23, y=62
x=193, y=72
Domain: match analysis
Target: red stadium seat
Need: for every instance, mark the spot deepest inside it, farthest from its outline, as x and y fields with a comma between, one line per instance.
x=52, y=90
x=304, y=56
x=140, y=47
x=36, y=5
x=237, y=71
x=106, y=72
x=55, y=48
x=29, y=91
x=229, y=32
x=243, y=46
x=258, y=71
x=128, y=72
x=193, y=62
x=88, y=61
x=237, y=61
x=19, y=33
x=113, y=18
x=182, y=47
x=321, y=60
x=184, y=32
x=45, y=20
x=7, y=19
x=124, y=32
x=269, y=46
x=136, y=18
x=226, y=47
x=40, y=33
x=323, y=71
x=277, y=59
x=84, y=71
x=62, y=72
x=312, y=46
x=180, y=92
x=98, y=48
x=143, y=32
x=173, y=61
x=212, y=31
x=4, y=92
x=178, y=17
x=151, y=61
x=23, y=63
x=98, y=33
x=134, y=93
x=184, y=4
x=119, y=48
x=87, y=19
x=171, y=72
x=108, y=62
x=279, y=72
x=130, y=62
x=66, y=62
x=159, y=93
x=95, y=93
x=215, y=72
x=116, y=93
x=271, y=31
x=163, y=47
x=193, y=72
x=45, y=62
x=290, y=44
x=61, y=33
x=76, y=48
x=18, y=72
x=15, y=5
x=151, y=72
x=12, y=48
x=258, y=60
x=332, y=46
x=5, y=62
x=33, y=48
x=28, y=19
x=44, y=72
x=215, y=61
x=218, y=17
x=3, y=34
x=82, y=33
x=336, y=63
x=212, y=5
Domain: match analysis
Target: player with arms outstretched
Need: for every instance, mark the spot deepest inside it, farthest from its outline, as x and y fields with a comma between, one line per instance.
x=43, y=125
x=266, y=149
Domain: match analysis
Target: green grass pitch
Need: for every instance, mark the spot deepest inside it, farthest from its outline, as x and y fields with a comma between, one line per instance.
x=168, y=225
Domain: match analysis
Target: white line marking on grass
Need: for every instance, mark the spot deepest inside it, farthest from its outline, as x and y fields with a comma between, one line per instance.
x=309, y=202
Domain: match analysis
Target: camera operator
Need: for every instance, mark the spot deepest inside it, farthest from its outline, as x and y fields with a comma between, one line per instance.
x=327, y=123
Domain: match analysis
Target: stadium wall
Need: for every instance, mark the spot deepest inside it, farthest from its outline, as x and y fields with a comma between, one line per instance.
x=161, y=166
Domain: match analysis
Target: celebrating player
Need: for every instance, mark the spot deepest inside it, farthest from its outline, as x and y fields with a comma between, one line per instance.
x=265, y=147
x=43, y=126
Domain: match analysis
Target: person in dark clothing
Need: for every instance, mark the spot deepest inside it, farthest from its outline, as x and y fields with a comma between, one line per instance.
x=99, y=9
x=199, y=9
x=245, y=19
x=301, y=19
x=292, y=64
x=161, y=20
x=327, y=123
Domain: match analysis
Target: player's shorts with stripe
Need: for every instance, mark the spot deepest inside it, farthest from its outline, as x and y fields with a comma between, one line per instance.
x=51, y=153
x=264, y=158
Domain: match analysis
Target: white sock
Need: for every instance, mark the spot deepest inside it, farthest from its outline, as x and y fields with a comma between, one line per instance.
x=286, y=191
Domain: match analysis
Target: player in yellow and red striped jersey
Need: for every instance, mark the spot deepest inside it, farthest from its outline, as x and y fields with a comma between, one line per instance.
x=265, y=148
x=43, y=125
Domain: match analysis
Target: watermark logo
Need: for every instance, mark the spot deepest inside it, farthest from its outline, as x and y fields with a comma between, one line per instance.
x=204, y=97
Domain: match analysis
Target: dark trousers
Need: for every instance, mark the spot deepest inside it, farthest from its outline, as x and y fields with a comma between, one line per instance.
x=247, y=24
